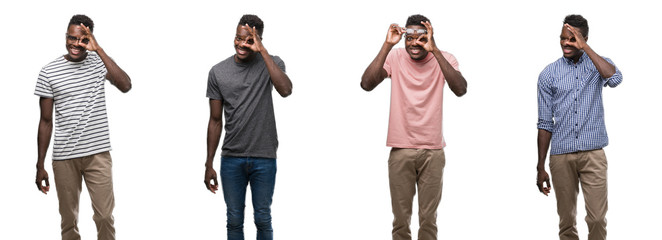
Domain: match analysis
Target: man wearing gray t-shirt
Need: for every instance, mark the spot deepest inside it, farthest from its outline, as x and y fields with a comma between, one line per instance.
x=240, y=86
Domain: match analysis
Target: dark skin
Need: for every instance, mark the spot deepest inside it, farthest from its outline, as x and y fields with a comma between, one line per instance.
x=79, y=39
x=573, y=44
x=247, y=43
x=544, y=138
x=249, y=40
x=573, y=40
x=418, y=46
x=213, y=138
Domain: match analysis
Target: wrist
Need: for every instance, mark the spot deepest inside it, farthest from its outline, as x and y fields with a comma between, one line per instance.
x=209, y=164
x=436, y=51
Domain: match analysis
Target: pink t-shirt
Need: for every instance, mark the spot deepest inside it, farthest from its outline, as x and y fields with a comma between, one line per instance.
x=417, y=94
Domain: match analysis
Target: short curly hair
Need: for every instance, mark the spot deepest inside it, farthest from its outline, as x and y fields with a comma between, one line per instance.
x=252, y=21
x=416, y=20
x=80, y=18
x=577, y=21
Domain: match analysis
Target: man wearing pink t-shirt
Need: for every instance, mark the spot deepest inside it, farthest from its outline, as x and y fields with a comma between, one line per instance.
x=418, y=73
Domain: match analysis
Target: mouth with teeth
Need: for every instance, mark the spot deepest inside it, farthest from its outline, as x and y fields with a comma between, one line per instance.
x=243, y=52
x=76, y=53
x=416, y=52
x=76, y=50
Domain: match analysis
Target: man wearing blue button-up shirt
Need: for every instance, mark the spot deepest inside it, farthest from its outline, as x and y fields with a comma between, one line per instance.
x=571, y=117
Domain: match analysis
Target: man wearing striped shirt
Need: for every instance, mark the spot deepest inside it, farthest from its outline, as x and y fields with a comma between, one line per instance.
x=73, y=86
x=571, y=117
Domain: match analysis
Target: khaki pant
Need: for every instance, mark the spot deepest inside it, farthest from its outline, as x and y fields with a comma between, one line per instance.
x=407, y=170
x=568, y=170
x=96, y=171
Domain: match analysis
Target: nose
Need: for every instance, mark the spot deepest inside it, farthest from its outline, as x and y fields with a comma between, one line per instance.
x=244, y=43
x=564, y=43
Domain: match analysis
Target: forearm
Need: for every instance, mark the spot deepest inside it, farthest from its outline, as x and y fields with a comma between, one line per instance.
x=374, y=74
x=116, y=75
x=544, y=137
x=43, y=141
x=605, y=68
x=213, y=139
x=456, y=81
x=280, y=80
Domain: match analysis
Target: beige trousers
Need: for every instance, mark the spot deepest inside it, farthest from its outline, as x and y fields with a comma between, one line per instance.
x=96, y=171
x=590, y=169
x=407, y=170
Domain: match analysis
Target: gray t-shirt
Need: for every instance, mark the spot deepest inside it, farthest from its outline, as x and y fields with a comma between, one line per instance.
x=245, y=89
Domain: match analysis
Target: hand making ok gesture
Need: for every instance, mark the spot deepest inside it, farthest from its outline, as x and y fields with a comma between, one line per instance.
x=91, y=43
x=427, y=40
x=580, y=41
x=256, y=44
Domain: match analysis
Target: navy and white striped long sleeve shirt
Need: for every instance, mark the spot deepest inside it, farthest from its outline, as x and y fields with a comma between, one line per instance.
x=570, y=104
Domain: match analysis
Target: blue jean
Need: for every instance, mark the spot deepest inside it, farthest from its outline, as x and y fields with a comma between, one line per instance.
x=236, y=173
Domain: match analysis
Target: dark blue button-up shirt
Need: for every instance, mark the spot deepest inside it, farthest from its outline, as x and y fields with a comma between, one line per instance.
x=570, y=104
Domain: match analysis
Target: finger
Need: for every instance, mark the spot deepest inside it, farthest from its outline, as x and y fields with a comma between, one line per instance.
x=47, y=183
x=251, y=30
x=86, y=30
x=393, y=28
x=572, y=30
x=41, y=187
x=215, y=186
x=418, y=40
x=427, y=25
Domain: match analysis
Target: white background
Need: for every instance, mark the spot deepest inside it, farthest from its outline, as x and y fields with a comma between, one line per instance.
x=332, y=178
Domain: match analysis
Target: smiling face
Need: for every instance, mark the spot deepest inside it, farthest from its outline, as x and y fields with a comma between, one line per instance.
x=242, y=41
x=570, y=51
x=416, y=51
x=74, y=37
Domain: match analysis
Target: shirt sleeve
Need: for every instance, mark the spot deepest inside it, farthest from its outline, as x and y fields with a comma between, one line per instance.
x=279, y=62
x=104, y=70
x=545, y=114
x=43, y=88
x=213, y=92
x=615, y=79
x=387, y=62
x=452, y=60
